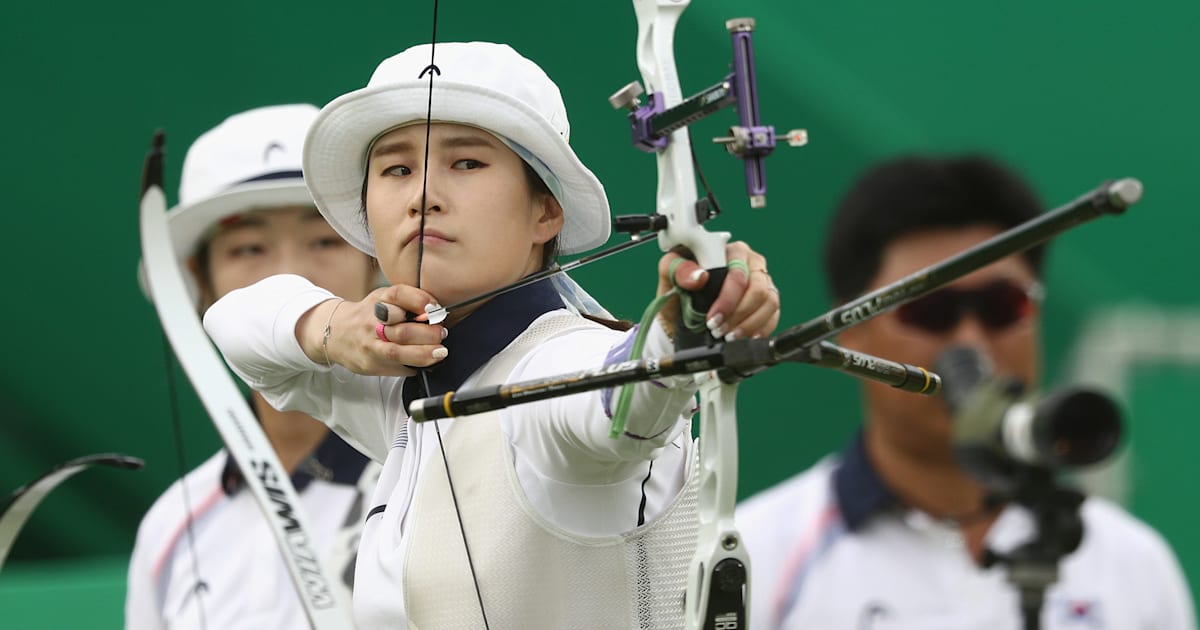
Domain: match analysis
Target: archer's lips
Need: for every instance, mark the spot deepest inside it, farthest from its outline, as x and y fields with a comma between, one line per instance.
x=431, y=237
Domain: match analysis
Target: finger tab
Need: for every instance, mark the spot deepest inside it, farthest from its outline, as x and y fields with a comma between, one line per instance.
x=436, y=314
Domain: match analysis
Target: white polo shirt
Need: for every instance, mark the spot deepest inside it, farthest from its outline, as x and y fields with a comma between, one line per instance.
x=573, y=482
x=832, y=548
x=231, y=575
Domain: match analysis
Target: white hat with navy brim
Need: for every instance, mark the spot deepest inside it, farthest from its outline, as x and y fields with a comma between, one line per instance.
x=251, y=161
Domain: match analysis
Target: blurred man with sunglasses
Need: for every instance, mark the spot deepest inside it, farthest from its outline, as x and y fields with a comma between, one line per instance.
x=890, y=532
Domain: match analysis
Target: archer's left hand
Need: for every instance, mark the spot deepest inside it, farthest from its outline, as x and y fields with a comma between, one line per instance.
x=748, y=304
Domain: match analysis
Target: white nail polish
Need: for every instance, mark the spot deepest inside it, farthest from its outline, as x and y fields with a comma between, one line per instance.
x=440, y=353
x=696, y=275
x=731, y=336
x=718, y=332
x=714, y=322
x=445, y=332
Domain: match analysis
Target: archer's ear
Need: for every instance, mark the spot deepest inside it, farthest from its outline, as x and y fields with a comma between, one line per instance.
x=549, y=218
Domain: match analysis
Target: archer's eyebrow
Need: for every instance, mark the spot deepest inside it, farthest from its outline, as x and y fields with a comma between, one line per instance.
x=451, y=142
x=312, y=214
x=469, y=140
x=257, y=219
x=237, y=222
x=388, y=148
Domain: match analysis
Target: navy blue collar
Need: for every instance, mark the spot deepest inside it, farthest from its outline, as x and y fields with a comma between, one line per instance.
x=859, y=491
x=482, y=335
x=333, y=461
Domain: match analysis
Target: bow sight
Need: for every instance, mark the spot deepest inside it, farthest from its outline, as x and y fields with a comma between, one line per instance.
x=652, y=124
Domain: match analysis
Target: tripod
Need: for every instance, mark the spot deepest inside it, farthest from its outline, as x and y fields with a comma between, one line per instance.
x=1033, y=566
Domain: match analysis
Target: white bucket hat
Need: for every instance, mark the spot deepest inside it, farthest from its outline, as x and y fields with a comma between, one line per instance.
x=250, y=161
x=480, y=84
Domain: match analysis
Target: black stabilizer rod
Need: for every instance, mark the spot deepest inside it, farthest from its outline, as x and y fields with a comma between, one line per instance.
x=1108, y=198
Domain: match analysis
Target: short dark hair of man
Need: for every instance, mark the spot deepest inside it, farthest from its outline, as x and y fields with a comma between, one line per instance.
x=915, y=194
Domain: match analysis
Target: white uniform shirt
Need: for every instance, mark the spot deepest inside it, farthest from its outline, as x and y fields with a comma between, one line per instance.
x=572, y=474
x=831, y=548
x=231, y=574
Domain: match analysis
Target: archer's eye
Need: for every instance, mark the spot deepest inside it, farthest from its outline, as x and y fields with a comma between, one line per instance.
x=468, y=165
x=328, y=242
x=398, y=171
x=247, y=250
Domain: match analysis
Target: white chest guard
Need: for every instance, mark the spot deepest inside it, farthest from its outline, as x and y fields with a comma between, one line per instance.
x=533, y=574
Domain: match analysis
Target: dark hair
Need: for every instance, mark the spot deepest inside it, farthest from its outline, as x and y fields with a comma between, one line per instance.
x=532, y=179
x=539, y=187
x=914, y=194
x=202, y=257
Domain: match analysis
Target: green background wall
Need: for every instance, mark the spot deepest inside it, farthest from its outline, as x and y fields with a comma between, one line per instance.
x=1070, y=92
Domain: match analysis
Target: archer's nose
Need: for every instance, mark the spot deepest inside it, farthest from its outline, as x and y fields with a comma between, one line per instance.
x=970, y=331
x=429, y=209
x=428, y=196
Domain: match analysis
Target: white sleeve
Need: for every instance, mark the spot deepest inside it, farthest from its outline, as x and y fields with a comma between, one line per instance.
x=776, y=526
x=141, y=607
x=255, y=329
x=1165, y=584
x=1152, y=584
x=567, y=438
x=758, y=520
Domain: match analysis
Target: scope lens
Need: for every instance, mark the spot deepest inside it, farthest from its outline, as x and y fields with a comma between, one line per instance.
x=1081, y=427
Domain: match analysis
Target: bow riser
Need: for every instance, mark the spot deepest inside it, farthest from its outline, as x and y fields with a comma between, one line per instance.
x=720, y=559
x=676, y=177
x=719, y=590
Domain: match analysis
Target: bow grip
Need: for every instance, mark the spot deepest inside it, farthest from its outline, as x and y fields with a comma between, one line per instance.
x=690, y=328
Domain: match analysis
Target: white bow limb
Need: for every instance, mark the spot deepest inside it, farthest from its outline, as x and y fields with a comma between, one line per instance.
x=266, y=478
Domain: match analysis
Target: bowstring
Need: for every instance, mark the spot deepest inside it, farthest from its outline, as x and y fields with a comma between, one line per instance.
x=431, y=70
x=181, y=459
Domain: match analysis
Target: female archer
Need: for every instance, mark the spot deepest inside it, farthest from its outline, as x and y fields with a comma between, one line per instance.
x=204, y=556
x=528, y=517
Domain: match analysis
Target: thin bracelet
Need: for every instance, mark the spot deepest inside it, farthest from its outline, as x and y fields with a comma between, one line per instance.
x=325, y=336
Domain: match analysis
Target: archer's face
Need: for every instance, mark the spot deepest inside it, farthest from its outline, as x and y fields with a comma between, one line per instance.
x=920, y=425
x=484, y=228
x=294, y=240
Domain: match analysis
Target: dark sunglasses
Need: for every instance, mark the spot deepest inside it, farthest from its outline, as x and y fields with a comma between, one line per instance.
x=998, y=306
